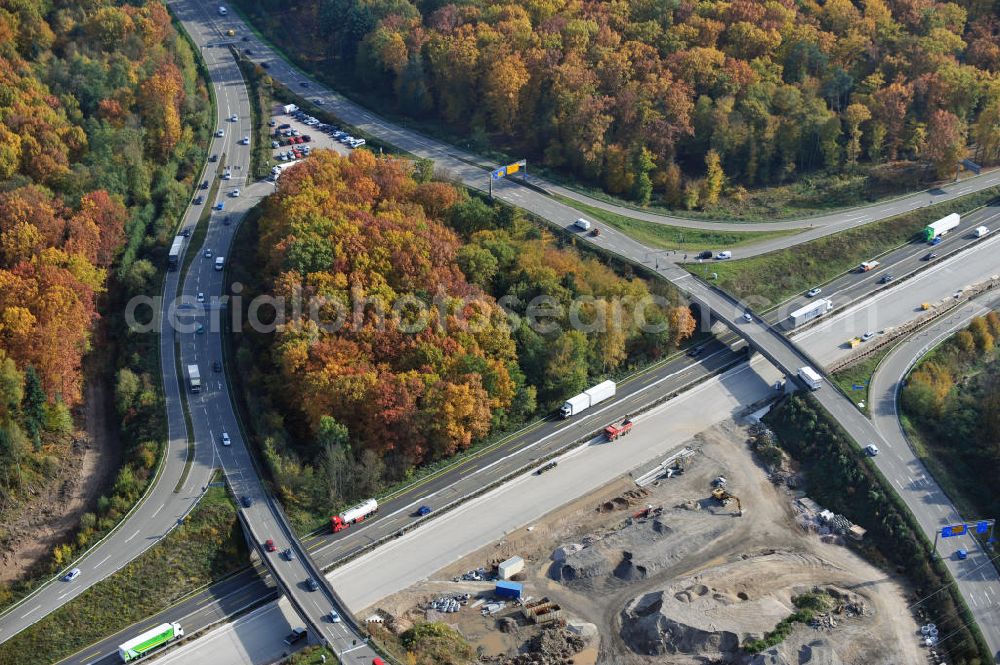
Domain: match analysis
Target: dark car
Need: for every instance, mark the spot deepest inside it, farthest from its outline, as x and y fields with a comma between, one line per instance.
x=707, y=254
x=216, y=366
x=246, y=501
x=696, y=351
x=288, y=554
x=424, y=510
x=186, y=233
x=246, y=39
x=932, y=255
x=304, y=84
x=198, y=200
x=265, y=65
x=886, y=279
x=312, y=584
x=248, y=52
x=204, y=184
x=297, y=635
x=213, y=158
x=284, y=126
x=547, y=467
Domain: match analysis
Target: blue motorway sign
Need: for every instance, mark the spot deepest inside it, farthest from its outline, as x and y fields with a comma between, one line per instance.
x=954, y=530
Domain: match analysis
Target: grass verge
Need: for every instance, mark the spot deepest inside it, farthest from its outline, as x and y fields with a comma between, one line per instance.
x=207, y=546
x=779, y=275
x=675, y=237
x=312, y=655
x=860, y=374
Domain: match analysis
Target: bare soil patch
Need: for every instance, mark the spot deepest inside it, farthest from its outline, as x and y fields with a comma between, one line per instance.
x=686, y=582
x=86, y=466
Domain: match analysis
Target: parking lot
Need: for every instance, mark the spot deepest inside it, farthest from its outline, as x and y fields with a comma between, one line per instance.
x=295, y=135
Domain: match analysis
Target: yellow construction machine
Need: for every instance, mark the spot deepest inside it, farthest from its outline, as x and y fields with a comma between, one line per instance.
x=724, y=497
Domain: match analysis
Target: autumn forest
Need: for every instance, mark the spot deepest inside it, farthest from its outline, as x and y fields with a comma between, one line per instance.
x=663, y=99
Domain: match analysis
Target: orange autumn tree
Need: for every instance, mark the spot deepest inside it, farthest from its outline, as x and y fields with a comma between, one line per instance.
x=421, y=384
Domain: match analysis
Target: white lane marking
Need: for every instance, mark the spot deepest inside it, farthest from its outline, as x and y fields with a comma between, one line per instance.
x=98, y=564
x=132, y=536
x=159, y=509
x=34, y=609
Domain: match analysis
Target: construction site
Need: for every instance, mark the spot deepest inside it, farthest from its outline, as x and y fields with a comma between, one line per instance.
x=686, y=561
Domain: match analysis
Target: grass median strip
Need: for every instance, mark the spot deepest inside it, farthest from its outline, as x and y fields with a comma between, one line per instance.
x=779, y=275
x=207, y=546
x=663, y=236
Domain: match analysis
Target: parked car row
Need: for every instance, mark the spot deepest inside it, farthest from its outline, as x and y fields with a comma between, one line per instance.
x=329, y=130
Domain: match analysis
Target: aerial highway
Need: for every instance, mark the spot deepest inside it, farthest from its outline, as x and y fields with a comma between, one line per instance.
x=363, y=581
x=165, y=503
x=769, y=341
x=212, y=410
x=529, y=447
x=884, y=397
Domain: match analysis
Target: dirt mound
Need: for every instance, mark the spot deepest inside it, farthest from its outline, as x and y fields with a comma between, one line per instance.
x=552, y=646
x=649, y=631
x=635, y=552
x=816, y=652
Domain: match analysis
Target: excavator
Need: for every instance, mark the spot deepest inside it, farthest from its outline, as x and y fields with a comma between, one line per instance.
x=724, y=497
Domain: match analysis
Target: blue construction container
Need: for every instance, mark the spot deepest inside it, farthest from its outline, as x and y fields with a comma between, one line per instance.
x=507, y=589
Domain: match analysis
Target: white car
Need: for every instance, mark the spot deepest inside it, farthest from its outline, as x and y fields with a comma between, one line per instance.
x=201, y=297
x=220, y=133
x=358, y=143
x=334, y=617
x=225, y=439
x=71, y=575
x=812, y=293
x=245, y=140
x=871, y=449
x=748, y=317
x=722, y=256
x=867, y=336
x=235, y=193
x=227, y=175
x=233, y=118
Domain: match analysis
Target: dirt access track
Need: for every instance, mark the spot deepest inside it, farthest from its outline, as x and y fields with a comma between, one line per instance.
x=686, y=584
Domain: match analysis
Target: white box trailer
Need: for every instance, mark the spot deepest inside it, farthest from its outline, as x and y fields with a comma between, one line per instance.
x=587, y=399
x=290, y=108
x=810, y=377
x=813, y=310
x=194, y=376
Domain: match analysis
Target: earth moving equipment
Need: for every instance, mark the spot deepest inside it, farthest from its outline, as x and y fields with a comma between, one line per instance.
x=613, y=431
x=724, y=497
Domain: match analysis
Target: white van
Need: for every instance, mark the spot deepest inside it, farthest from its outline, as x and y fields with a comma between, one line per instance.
x=981, y=231
x=722, y=256
x=222, y=11
x=219, y=262
x=581, y=223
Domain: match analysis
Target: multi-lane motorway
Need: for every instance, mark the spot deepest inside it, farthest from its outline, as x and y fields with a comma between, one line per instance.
x=212, y=411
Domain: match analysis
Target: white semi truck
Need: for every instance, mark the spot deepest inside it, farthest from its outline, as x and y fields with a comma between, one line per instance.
x=810, y=377
x=152, y=639
x=587, y=399
x=195, y=377
x=813, y=310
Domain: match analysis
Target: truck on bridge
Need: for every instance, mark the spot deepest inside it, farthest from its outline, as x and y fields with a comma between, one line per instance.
x=940, y=227
x=587, y=399
x=354, y=515
x=810, y=377
x=152, y=639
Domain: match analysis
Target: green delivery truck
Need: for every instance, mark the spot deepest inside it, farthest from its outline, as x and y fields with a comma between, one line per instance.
x=153, y=638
